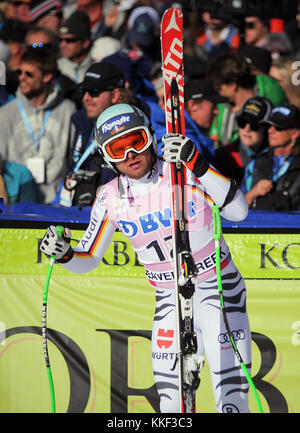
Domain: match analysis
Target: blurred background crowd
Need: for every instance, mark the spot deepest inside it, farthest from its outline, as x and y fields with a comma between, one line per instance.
x=64, y=61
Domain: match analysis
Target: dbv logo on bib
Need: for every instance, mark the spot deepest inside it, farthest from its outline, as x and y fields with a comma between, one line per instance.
x=151, y=222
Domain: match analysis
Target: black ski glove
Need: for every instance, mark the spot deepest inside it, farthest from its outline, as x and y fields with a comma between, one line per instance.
x=178, y=148
x=58, y=247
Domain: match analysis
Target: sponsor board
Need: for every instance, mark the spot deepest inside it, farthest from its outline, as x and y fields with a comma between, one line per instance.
x=100, y=328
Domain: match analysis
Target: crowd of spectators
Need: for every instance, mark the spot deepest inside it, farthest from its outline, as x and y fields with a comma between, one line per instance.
x=68, y=60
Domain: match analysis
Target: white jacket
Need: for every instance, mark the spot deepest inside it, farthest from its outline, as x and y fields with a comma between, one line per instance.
x=16, y=143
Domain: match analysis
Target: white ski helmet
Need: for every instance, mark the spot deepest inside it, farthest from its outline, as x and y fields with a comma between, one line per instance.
x=118, y=121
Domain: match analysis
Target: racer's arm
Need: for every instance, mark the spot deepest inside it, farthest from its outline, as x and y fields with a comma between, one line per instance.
x=224, y=192
x=88, y=253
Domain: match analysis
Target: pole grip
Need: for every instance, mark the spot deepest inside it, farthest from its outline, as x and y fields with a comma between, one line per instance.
x=217, y=223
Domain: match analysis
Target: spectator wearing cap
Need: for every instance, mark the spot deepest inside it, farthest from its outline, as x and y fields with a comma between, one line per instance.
x=75, y=45
x=275, y=182
x=136, y=72
x=47, y=14
x=200, y=109
x=106, y=83
x=200, y=103
x=232, y=159
x=103, y=86
x=143, y=32
x=200, y=100
x=35, y=127
x=260, y=61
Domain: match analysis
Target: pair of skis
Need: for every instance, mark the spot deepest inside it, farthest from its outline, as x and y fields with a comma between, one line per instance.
x=185, y=270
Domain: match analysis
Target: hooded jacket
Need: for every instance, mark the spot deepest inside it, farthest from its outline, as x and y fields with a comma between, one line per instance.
x=16, y=143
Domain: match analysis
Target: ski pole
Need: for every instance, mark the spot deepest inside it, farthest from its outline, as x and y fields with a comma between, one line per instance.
x=60, y=230
x=217, y=238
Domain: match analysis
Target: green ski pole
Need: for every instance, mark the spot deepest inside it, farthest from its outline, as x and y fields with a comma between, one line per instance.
x=60, y=230
x=217, y=238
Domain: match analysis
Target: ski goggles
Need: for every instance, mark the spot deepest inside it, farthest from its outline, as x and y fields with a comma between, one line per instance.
x=116, y=149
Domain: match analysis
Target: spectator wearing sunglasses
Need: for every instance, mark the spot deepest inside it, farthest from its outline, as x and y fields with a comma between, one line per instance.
x=275, y=181
x=75, y=45
x=36, y=127
x=232, y=159
x=103, y=85
x=258, y=33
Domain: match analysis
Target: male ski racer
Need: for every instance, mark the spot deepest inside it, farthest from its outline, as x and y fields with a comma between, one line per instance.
x=137, y=202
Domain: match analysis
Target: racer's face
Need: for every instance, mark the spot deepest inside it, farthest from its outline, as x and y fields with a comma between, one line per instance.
x=136, y=165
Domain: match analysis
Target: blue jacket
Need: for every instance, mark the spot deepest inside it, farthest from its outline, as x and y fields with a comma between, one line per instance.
x=204, y=144
x=19, y=183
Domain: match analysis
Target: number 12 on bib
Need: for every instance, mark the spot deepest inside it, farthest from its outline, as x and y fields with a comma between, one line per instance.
x=185, y=270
